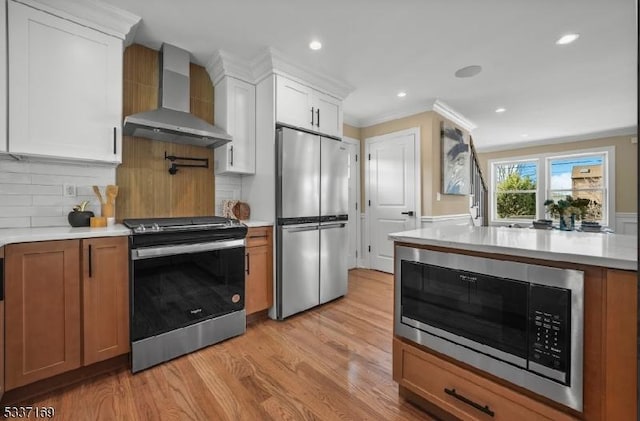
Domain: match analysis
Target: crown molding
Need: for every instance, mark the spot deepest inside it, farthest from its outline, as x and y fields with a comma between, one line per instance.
x=223, y=64
x=393, y=115
x=624, y=131
x=272, y=61
x=93, y=14
x=437, y=106
x=449, y=113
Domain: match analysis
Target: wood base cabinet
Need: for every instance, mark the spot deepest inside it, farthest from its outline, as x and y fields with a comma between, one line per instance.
x=462, y=393
x=42, y=299
x=105, y=292
x=66, y=306
x=259, y=270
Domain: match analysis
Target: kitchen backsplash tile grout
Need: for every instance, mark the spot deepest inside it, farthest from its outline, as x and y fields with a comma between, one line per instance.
x=31, y=193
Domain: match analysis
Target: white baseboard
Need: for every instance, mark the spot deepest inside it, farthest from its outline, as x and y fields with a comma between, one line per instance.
x=626, y=223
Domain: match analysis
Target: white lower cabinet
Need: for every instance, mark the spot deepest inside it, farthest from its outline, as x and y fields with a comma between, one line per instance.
x=235, y=111
x=65, y=99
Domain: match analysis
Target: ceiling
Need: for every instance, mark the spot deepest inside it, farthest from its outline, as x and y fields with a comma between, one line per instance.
x=380, y=47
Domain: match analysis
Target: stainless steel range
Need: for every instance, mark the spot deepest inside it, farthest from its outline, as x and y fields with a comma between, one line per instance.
x=187, y=285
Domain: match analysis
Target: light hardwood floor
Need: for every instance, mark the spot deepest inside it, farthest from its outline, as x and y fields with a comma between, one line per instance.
x=332, y=362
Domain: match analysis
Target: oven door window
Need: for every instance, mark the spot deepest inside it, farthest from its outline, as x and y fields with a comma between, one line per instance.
x=171, y=292
x=488, y=310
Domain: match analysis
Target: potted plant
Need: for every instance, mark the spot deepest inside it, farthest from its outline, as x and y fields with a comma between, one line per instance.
x=567, y=210
x=79, y=216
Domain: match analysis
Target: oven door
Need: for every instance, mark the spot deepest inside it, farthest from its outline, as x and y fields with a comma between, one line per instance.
x=483, y=312
x=179, y=285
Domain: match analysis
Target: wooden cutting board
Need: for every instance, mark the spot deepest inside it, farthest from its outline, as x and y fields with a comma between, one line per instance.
x=242, y=211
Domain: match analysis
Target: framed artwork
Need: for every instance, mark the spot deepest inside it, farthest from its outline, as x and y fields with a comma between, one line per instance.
x=456, y=156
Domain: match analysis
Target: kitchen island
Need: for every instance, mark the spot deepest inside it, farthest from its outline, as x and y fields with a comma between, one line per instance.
x=493, y=372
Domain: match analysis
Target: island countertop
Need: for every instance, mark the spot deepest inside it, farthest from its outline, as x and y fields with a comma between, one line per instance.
x=595, y=249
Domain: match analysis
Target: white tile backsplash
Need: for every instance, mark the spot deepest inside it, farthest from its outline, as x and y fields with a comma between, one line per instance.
x=31, y=193
x=228, y=187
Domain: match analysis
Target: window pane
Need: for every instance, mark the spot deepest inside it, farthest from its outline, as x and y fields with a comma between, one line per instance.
x=577, y=173
x=516, y=173
x=594, y=211
x=516, y=205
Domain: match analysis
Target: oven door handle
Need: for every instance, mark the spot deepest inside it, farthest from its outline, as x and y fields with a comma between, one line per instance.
x=151, y=252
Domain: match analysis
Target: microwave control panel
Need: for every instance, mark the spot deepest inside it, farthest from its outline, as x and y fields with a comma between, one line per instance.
x=550, y=332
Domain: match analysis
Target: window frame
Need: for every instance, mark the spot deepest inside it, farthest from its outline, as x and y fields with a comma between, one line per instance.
x=543, y=168
x=494, y=193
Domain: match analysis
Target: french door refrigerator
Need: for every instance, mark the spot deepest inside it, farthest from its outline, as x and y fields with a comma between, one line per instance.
x=311, y=214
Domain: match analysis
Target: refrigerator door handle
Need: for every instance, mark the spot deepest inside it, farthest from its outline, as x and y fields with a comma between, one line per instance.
x=300, y=228
x=329, y=226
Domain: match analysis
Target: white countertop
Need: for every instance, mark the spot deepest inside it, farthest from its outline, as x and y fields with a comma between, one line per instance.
x=252, y=223
x=24, y=235
x=596, y=249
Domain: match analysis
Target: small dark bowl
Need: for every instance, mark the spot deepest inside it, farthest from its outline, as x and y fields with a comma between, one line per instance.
x=80, y=219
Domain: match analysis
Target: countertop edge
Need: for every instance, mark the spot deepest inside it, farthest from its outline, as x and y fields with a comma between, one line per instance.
x=49, y=234
x=607, y=262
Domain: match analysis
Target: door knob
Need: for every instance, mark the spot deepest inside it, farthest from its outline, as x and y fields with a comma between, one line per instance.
x=410, y=213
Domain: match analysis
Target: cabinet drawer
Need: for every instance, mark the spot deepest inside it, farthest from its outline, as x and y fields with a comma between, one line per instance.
x=258, y=236
x=462, y=393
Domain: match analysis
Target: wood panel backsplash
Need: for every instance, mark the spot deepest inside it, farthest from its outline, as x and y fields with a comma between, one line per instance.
x=146, y=187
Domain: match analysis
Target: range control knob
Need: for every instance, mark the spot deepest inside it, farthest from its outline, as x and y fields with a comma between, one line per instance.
x=155, y=227
x=141, y=228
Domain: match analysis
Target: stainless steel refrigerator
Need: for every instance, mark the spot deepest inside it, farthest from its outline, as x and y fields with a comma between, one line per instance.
x=311, y=215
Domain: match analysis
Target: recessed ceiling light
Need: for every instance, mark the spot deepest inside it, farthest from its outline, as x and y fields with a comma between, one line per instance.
x=315, y=45
x=567, y=39
x=469, y=71
x=524, y=135
x=402, y=94
x=501, y=110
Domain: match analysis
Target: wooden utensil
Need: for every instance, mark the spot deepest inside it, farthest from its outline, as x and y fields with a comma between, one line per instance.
x=96, y=190
x=111, y=192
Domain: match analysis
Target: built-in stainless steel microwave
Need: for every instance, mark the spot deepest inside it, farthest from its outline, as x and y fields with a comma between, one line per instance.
x=516, y=321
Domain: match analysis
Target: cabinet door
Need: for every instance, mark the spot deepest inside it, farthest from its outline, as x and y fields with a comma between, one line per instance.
x=105, y=291
x=66, y=88
x=259, y=279
x=328, y=114
x=294, y=104
x=235, y=111
x=42, y=309
x=3, y=77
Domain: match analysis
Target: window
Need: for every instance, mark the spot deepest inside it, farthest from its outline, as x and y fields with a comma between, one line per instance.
x=581, y=177
x=520, y=186
x=515, y=190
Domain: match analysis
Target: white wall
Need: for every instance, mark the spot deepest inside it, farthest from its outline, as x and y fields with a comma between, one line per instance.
x=31, y=193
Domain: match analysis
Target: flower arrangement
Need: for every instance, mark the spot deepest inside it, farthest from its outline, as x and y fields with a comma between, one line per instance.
x=569, y=206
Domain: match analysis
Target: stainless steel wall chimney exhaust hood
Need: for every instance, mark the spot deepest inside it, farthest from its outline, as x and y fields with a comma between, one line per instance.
x=172, y=121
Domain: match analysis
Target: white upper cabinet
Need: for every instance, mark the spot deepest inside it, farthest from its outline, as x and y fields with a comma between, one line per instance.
x=307, y=108
x=328, y=114
x=65, y=99
x=3, y=76
x=235, y=111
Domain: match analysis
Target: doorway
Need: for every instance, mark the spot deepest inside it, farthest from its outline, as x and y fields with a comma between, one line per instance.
x=392, y=192
x=353, y=147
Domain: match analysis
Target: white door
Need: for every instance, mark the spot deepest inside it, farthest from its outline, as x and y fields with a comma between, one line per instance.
x=392, y=189
x=353, y=146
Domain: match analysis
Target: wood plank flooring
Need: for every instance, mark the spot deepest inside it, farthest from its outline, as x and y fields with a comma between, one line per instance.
x=332, y=362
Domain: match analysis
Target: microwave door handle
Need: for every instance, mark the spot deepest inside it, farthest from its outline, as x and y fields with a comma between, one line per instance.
x=151, y=252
